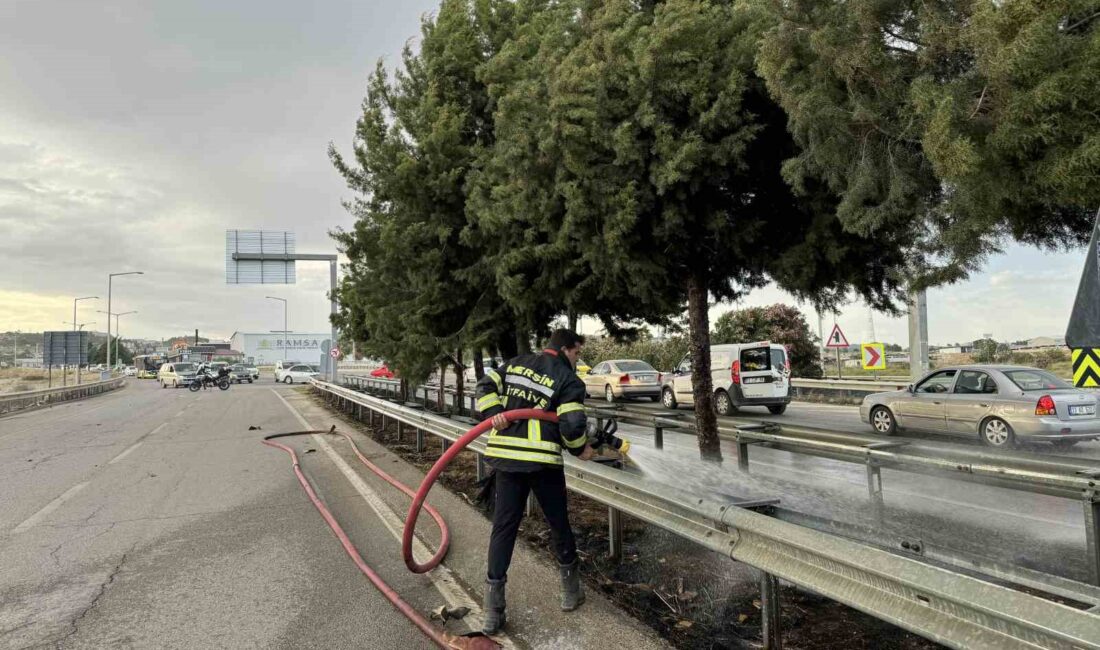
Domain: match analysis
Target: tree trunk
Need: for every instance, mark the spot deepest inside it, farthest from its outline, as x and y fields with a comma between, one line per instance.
x=460, y=397
x=706, y=421
x=507, y=346
x=441, y=394
x=479, y=367
x=523, y=342
x=572, y=316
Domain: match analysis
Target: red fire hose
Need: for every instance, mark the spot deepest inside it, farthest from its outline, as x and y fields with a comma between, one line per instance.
x=439, y=637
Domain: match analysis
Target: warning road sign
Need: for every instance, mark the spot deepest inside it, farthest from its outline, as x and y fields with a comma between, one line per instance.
x=874, y=356
x=837, y=339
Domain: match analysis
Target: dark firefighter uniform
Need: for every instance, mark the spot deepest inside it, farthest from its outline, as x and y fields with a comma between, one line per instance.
x=527, y=454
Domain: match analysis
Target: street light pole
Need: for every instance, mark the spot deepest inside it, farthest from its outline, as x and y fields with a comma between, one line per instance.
x=110, y=277
x=285, y=321
x=75, y=300
x=118, y=330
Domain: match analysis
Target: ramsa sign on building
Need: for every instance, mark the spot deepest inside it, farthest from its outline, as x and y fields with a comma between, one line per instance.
x=268, y=347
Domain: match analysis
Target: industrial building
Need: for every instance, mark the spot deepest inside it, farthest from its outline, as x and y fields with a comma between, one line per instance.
x=261, y=348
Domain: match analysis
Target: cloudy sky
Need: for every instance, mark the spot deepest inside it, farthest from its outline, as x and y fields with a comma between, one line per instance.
x=134, y=133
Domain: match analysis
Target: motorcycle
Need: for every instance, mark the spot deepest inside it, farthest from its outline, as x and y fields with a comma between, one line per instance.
x=205, y=378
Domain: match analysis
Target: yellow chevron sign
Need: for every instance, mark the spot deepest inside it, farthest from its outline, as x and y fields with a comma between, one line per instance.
x=1086, y=367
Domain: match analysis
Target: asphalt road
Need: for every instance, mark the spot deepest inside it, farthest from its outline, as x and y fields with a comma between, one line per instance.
x=155, y=518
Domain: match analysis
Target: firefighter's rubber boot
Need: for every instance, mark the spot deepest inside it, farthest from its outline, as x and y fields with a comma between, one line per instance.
x=572, y=594
x=494, y=606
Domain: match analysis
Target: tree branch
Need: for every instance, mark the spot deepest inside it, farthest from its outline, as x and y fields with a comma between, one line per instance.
x=979, y=105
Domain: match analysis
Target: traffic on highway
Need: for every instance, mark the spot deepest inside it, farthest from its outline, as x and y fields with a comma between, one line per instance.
x=571, y=324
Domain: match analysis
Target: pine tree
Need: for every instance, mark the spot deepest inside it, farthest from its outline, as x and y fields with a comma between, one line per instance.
x=957, y=123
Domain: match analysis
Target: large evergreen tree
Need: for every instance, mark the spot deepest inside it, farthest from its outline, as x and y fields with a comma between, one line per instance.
x=416, y=279
x=959, y=122
x=674, y=149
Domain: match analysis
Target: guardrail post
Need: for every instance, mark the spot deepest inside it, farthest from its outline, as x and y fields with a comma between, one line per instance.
x=383, y=430
x=658, y=435
x=419, y=440
x=769, y=612
x=1092, y=534
x=874, y=485
x=444, y=445
x=530, y=509
x=480, y=467
x=614, y=534
x=742, y=455
x=400, y=430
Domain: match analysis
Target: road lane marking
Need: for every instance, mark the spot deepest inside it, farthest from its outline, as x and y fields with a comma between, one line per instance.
x=137, y=444
x=441, y=577
x=50, y=507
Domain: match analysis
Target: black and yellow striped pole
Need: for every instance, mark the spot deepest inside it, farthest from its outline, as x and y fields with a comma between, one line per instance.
x=1083, y=332
x=1086, y=367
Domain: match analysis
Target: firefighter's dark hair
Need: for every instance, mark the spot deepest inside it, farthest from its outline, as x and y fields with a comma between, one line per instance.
x=565, y=338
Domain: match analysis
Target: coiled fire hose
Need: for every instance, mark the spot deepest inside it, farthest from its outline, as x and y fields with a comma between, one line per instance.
x=440, y=637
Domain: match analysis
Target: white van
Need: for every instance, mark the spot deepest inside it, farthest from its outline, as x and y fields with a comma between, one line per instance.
x=743, y=374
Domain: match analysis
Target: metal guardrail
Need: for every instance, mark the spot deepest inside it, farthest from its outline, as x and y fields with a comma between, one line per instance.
x=855, y=387
x=951, y=608
x=13, y=402
x=1051, y=476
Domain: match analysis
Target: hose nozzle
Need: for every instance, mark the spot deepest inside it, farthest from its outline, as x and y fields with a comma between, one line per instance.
x=606, y=437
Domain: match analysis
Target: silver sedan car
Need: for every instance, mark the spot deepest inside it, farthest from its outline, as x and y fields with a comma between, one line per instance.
x=999, y=404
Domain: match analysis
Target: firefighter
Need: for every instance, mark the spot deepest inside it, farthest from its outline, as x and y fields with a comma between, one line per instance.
x=526, y=457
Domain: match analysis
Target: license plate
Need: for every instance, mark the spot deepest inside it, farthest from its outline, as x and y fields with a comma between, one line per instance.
x=645, y=379
x=755, y=380
x=1084, y=409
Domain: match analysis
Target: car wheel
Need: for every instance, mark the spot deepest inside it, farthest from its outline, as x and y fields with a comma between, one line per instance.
x=668, y=398
x=723, y=404
x=288, y=380
x=883, y=422
x=250, y=381
x=163, y=385
x=778, y=409
x=996, y=432
x=608, y=394
x=1064, y=444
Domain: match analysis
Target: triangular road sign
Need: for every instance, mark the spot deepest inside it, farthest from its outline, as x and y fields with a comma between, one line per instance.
x=837, y=339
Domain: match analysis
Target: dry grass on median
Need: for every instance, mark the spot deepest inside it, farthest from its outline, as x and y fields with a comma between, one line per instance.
x=19, y=380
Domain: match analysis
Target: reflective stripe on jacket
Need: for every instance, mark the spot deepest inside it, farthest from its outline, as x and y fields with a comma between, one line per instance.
x=541, y=381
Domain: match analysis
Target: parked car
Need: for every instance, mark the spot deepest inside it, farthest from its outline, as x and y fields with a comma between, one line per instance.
x=176, y=374
x=743, y=374
x=621, y=378
x=284, y=365
x=300, y=373
x=129, y=371
x=469, y=377
x=241, y=373
x=1001, y=405
x=384, y=372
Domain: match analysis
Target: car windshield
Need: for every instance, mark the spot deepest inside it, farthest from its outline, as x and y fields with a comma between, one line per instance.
x=634, y=366
x=1035, y=380
x=184, y=367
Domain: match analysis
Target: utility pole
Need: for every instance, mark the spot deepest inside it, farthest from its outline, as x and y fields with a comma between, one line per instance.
x=76, y=300
x=110, y=278
x=918, y=334
x=286, y=318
